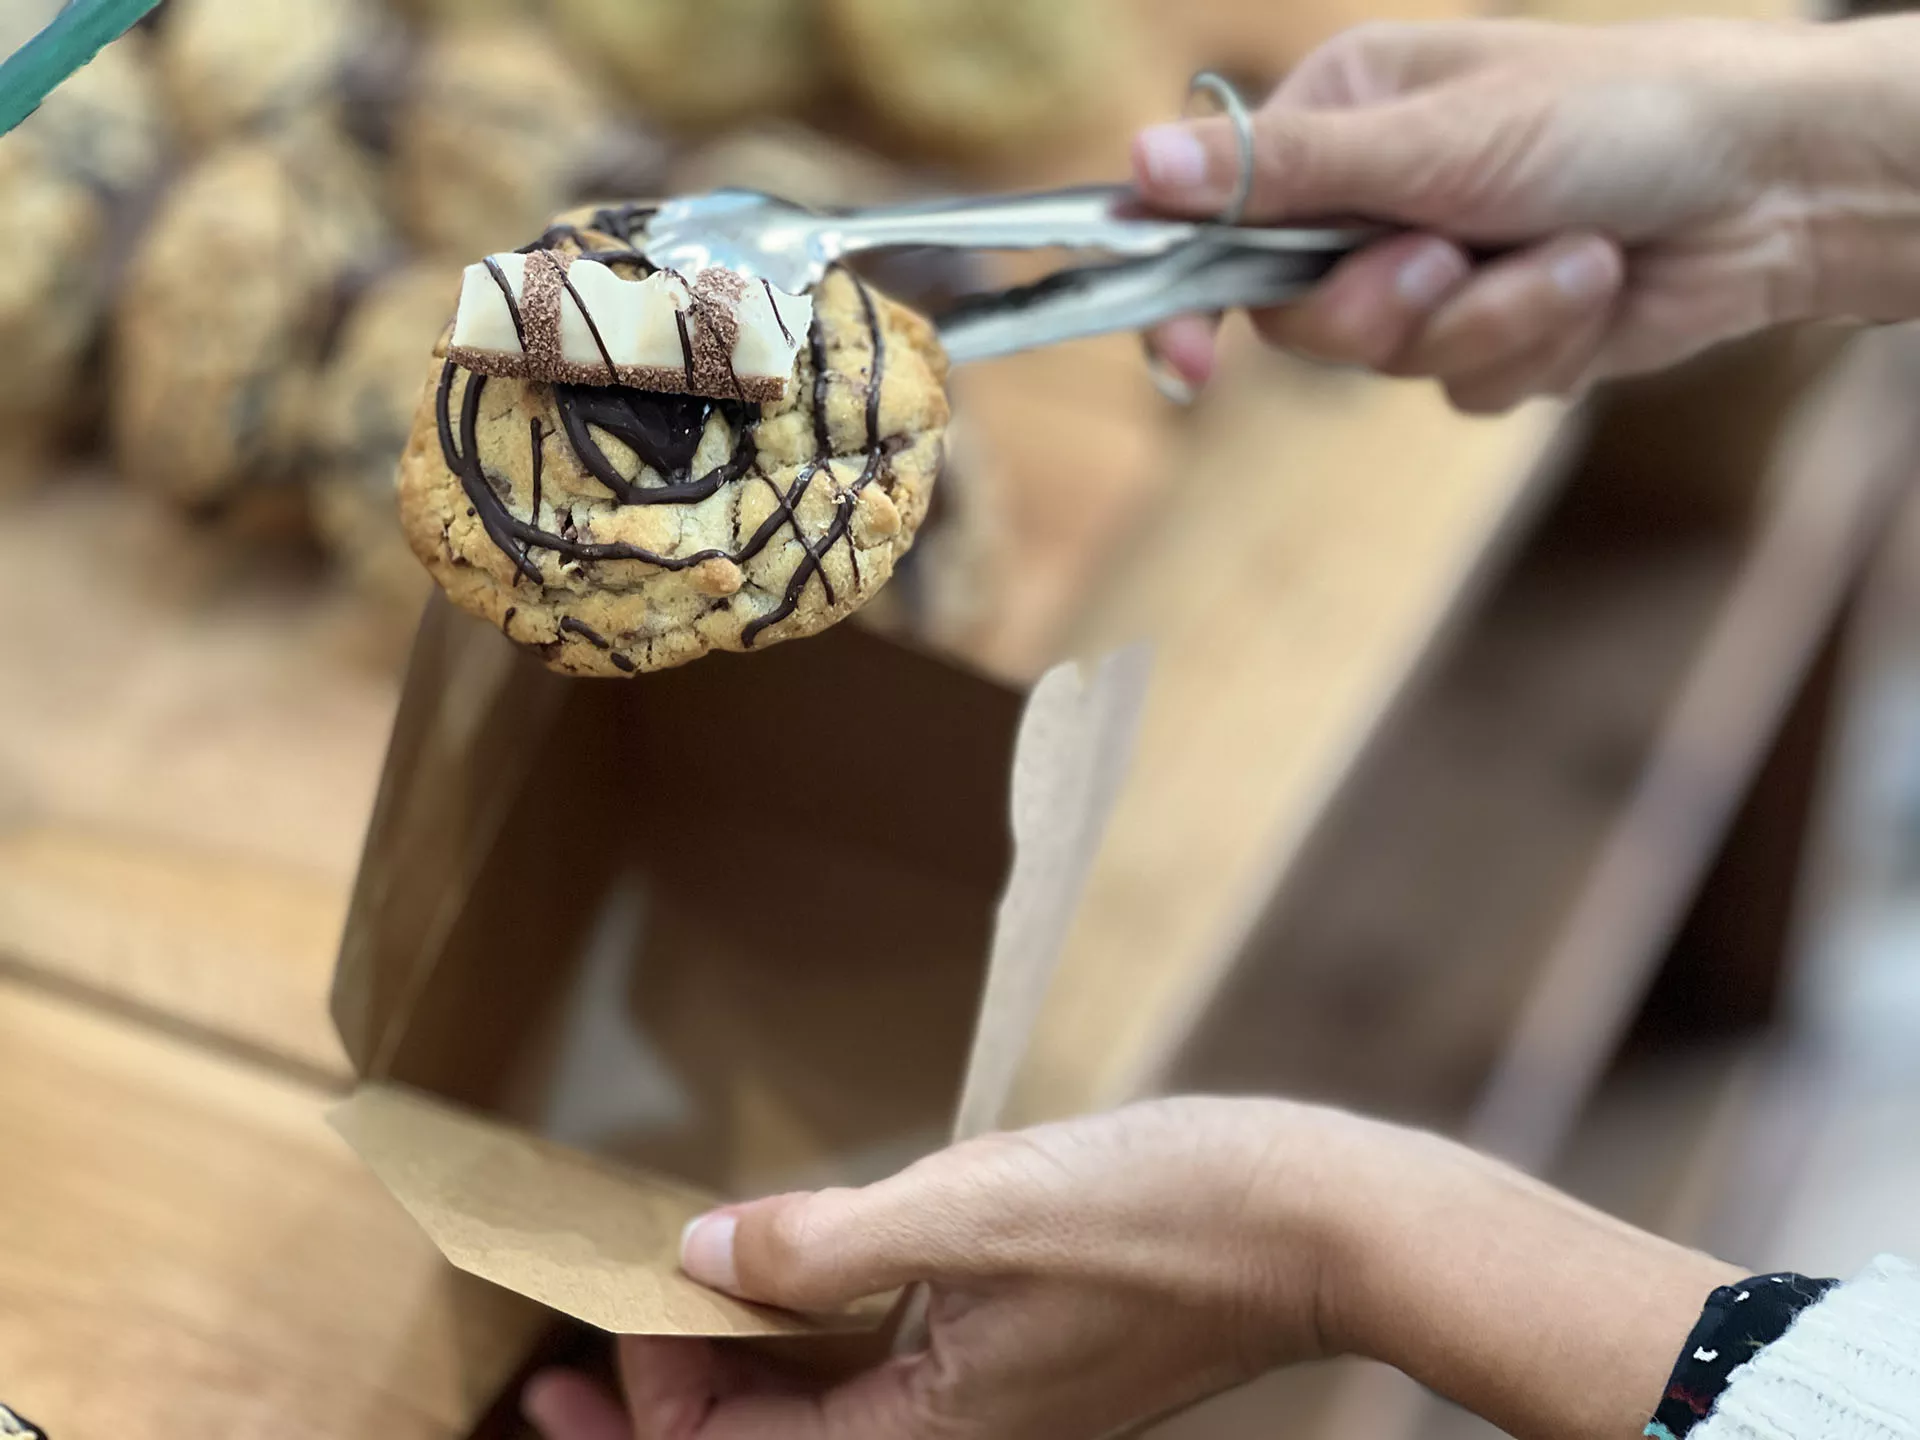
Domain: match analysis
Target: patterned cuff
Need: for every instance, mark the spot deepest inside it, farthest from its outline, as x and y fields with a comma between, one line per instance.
x=13, y=1425
x=1738, y=1322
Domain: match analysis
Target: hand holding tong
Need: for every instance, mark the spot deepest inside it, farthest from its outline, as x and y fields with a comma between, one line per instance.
x=1167, y=267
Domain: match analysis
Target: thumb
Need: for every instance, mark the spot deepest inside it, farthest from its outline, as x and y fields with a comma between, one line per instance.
x=1375, y=162
x=814, y=1251
x=963, y=1212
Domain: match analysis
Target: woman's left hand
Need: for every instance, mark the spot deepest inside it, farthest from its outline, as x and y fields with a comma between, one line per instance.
x=1091, y=1275
x=1084, y=1276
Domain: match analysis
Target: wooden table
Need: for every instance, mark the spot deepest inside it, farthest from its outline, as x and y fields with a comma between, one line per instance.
x=189, y=1251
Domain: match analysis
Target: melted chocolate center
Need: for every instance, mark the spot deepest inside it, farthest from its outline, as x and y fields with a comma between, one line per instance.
x=663, y=430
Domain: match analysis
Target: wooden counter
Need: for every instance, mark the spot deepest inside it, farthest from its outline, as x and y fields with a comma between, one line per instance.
x=190, y=1251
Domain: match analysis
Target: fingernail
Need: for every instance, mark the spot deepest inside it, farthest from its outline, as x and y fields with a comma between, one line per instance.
x=1425, y=280
x=1585, y=274
x=706, y=1251
x=1173, y=157
x=536, y=1405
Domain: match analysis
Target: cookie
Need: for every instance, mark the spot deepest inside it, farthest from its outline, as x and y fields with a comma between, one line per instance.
x=362, y=411
x=226, y=305
x=451, y=14
x=52, y=227
x=977, y=79
x=699, y=64
x=72, y=179
x=497, y=131
x=792, y=161
x=617, y=530
x=232, y=68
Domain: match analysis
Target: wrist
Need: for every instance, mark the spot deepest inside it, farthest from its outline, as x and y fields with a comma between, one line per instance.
x=1387, y=1200
x=1328, y=1187
x=1505, y=1296
x=1851, y=141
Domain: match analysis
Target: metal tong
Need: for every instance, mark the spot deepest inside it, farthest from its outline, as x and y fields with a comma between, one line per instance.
x=1172, y=267
x=1167, y=267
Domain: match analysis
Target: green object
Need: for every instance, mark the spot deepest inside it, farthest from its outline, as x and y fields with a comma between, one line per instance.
x=71, y=39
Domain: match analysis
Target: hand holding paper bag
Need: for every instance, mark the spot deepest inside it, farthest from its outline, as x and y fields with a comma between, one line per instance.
x=1090, y=1276
x=1085, y=1275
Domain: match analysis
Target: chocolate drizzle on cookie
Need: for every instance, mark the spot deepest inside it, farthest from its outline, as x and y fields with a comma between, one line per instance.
x=664, y=431
x=586, y=632
x=812, y=562
x=513, y=305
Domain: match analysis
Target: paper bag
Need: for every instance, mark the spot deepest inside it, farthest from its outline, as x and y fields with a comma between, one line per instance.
x=620, y=949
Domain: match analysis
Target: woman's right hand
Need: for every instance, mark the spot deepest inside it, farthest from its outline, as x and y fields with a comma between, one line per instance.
x=1648, y=190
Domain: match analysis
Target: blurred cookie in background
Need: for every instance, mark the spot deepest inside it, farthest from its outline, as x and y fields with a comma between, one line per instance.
x=699, y=64
x=785, y=158
x=1256, y=45
x=226, y=306
x=450, y=14
x=498, y=130
x=74, y=178
x=981, y=80
x=230, y=68
x=52, y=228
x=362, y=411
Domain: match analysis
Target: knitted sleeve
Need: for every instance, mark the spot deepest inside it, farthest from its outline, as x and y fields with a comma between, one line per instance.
x=1848, y=1368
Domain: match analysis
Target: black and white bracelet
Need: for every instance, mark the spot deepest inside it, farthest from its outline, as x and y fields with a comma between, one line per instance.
x=1737, y=1323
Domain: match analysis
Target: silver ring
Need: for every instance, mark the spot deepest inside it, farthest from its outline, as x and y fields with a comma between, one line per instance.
x=1235, y=109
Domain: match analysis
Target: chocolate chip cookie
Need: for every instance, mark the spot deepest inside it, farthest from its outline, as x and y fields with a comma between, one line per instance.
x=979, y=79
x=699, y=63
x=618, y=530
x=225, y=308
x=496, y=130
x=233, y=68
x=73, y=178
x=52, y=228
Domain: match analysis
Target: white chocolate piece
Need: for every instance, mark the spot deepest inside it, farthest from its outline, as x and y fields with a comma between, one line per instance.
x=554, y=317
x=483, y=321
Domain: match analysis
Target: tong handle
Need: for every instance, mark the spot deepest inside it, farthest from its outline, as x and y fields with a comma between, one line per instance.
x=1088, y=217
x=1132, y=295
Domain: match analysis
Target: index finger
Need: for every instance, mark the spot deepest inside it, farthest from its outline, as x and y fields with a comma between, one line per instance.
x=1384, y=59
x=1374, y=162
x=690, y=1390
